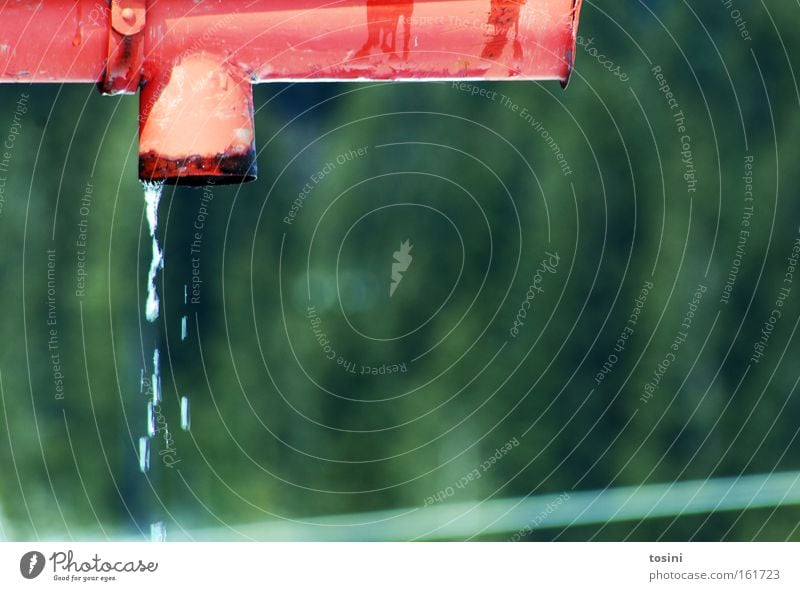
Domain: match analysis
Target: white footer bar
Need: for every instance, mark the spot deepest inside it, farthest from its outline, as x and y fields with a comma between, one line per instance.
x=400, y=566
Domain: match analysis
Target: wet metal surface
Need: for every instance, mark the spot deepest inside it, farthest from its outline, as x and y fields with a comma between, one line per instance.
x=193, y=171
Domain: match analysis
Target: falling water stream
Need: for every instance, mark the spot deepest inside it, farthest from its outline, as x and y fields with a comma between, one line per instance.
x=152, y=198
x=155, y=421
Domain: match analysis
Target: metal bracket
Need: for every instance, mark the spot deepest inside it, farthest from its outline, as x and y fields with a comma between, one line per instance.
x=125, y=47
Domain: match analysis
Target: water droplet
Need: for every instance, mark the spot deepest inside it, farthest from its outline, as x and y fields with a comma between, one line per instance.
x=158, y=532
x=153, y=303
x=156, y=389
x=128, y=15
x=78, y=38
x=156, y=385
x=186, y=418
x=141, y=381
x=144, y=454
x=152, y=197
x=185, y=294
x=151, y=419
x=184, y=328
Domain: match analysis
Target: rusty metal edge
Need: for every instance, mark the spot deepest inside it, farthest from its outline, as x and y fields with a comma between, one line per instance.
x=195, y=171
x=570, y=56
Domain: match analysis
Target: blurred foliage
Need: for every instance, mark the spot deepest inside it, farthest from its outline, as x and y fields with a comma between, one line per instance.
x=280, y=430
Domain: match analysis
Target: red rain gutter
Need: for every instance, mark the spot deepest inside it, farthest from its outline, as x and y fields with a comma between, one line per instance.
x=195, y=61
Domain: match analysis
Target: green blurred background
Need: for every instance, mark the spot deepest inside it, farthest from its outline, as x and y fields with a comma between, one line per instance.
x=279, y=431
